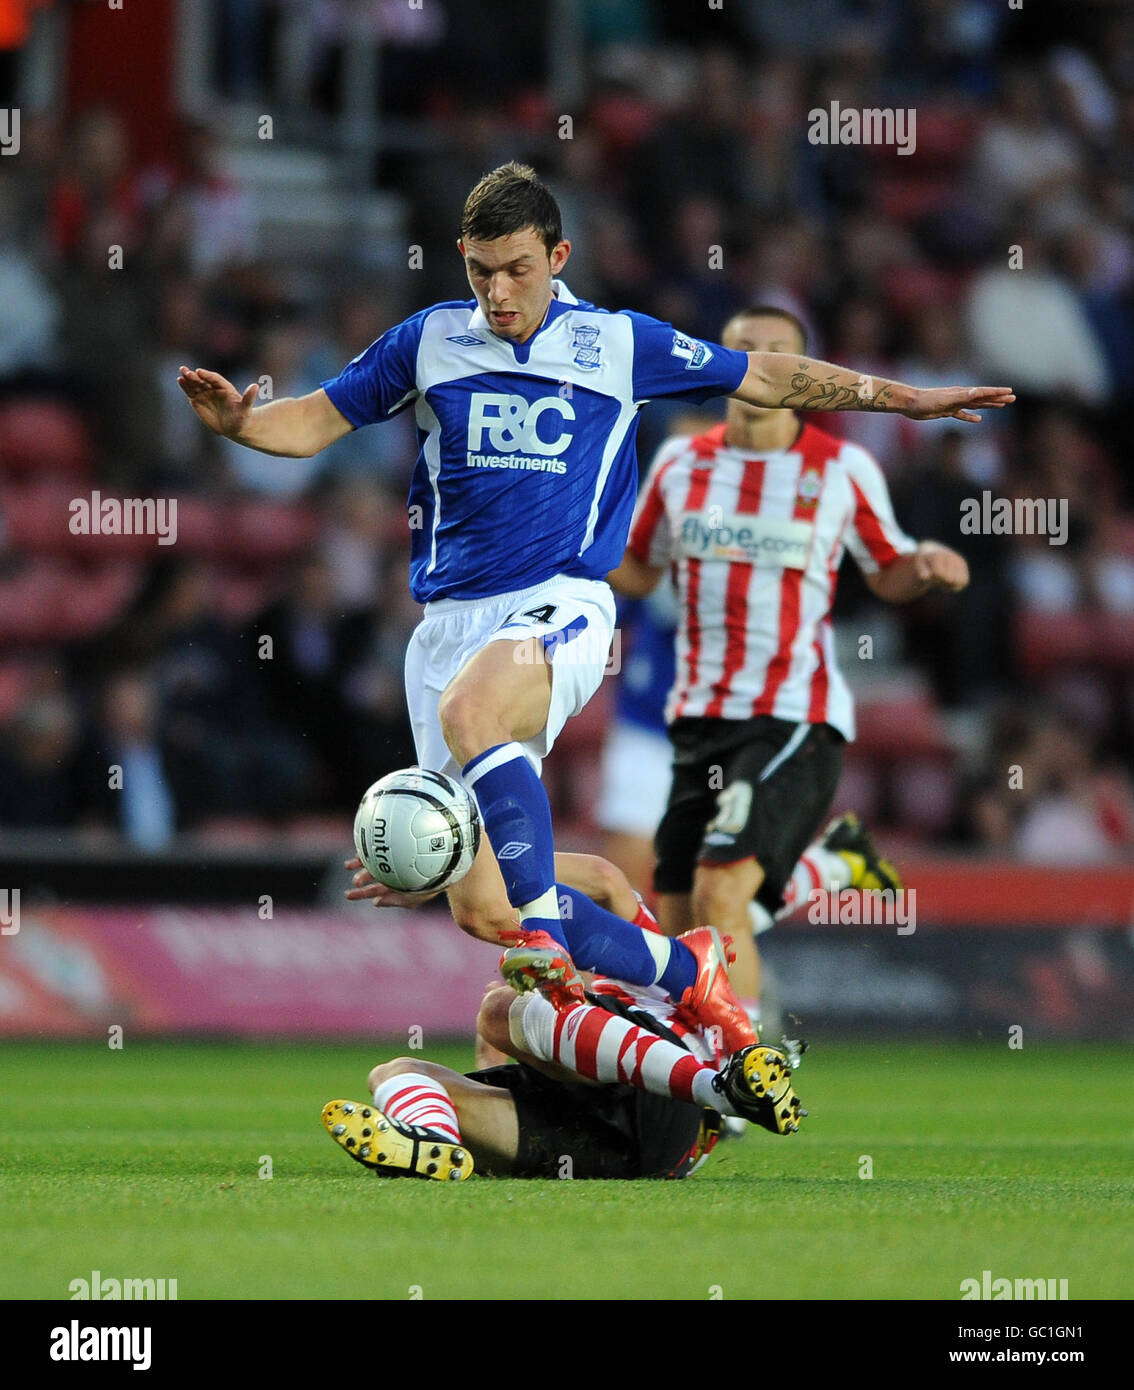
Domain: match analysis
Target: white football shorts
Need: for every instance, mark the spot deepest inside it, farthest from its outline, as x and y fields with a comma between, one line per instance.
x=574, y=617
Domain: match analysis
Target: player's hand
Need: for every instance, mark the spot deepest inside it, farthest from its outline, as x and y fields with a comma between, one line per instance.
x=957, y=402
x=938, y=567
x=217, y=402
x=367, y=887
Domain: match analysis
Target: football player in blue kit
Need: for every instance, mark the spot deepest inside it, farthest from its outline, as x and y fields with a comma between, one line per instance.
x=526, y=402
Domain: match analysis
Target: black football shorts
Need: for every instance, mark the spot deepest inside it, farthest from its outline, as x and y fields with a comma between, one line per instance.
x=613, y=1131
x=745, y=788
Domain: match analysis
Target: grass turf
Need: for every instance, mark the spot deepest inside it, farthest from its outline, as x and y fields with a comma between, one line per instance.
x=145, y=1162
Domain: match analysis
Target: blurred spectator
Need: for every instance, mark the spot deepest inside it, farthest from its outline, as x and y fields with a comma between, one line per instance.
x=1027, y=328
x=1024, y=159
x=37, y=765
x=1098, y=259
x=963, y=640
x=29, y=309
x=129, y=776
x=860, y=337
x=354, y=546
x=215, y=709
x=208, y=221
x=97, y=191
x=279, y=360
x=318, y=677
x=689, y=133
x=385, y=455
x=1052, y=801
x=936, y=357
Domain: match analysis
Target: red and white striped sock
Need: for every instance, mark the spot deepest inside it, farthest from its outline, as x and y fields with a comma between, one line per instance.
x=415, y=1099
x=604, y=1047
x=817, y=868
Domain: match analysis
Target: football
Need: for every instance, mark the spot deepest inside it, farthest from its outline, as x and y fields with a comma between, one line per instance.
x=417, y=831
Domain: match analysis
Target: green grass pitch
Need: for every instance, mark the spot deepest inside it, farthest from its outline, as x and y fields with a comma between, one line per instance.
x=145, y=1162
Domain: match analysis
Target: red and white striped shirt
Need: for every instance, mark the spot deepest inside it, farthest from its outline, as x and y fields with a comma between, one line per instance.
x=756, y=541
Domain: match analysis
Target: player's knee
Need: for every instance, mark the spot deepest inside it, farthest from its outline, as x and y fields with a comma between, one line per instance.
x=467, y=726
x=609, y=880
x=398, y=1066
x=492, y=1021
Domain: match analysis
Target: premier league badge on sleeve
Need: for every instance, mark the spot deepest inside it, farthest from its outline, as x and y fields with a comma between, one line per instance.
x=586, y=354
x=695, y=353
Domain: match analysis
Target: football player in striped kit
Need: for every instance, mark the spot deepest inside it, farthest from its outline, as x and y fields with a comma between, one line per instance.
x=754, y=517
x=526, y=402
x=619, y=1083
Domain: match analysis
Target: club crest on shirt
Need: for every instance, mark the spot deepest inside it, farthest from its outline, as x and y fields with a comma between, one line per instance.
x=586, y=354
x=809, y=488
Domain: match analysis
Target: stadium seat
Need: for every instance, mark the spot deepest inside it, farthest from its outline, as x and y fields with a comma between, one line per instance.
x=50, y=600
x=40, y=516
x=240, y=596
x=1116, y=640
x=258, y=530
x=233, y=832
x=859, y=787
x=201, y=526
x=900, y=728
x=43, y=438
x=1046, y=641
x=923, y=794
x=329, y=833
x=14, y=685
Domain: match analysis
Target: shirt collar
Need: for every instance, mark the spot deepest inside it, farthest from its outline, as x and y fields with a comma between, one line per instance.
x=560, y=295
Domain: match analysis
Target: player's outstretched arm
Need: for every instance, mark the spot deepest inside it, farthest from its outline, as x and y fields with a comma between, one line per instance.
x=782, y=380
x=930, y=566
x=292, y=427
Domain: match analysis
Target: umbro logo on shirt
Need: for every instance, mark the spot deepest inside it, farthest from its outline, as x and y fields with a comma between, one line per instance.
x=465, y=340
x=512, y=850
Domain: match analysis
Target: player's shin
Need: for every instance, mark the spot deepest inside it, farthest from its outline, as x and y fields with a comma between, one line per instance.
x=607, y=1048
x=517, y=820
x=600, y=941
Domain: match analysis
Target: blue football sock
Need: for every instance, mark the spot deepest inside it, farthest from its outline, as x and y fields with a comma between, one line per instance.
x=599, y=940
x=517, y=820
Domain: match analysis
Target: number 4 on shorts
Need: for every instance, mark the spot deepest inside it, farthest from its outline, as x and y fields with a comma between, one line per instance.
x=543, y=614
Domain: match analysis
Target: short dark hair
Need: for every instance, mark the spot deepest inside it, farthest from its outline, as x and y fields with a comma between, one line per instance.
x=510, y=199
x=771, y=311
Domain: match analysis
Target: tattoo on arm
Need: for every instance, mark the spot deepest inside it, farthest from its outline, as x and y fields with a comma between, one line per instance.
x=811, y=393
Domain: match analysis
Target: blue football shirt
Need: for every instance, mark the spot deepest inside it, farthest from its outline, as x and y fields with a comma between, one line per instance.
x=526, y=464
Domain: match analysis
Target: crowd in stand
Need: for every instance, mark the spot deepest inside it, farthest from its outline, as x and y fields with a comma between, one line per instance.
x=1000, y=250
